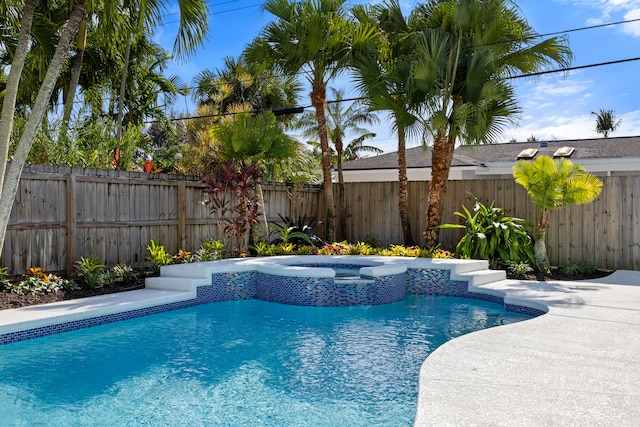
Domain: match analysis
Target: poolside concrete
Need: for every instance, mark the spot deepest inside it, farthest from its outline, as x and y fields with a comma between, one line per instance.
x=577, y=365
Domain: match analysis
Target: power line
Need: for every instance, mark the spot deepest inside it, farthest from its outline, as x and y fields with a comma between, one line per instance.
x=360, y=98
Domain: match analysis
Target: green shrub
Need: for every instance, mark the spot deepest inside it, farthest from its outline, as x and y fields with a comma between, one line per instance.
x=492, y=235
x=91, y=272
x=158, y=256
x=210, y=250
x=36, y=280
x=519, y=268
x=121, y=272
x=579, y=267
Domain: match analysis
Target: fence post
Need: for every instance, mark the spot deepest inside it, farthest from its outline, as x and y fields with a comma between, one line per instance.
x=71, y=221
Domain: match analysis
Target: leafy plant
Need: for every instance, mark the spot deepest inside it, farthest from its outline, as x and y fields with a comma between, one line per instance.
x=121, y=272
x=158, y=255
x=210, y=250
x=91, y=271
x=492, y=235
x=307, y=250
x=288, y=233
x=304, y=226
x=232, y=197
x=578, y=267
x=182, y=257
x=519, y=268
x=36, y=280
x=262, y=249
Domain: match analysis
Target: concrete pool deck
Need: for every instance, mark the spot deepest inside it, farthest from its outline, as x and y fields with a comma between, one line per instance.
x=577, y=365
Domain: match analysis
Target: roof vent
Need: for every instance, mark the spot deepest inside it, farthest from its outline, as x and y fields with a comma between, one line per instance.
x=564, y=152
x=528, y=153
x=543, y=144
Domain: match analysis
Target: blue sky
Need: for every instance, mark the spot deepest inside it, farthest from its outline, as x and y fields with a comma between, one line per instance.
x=556, y=106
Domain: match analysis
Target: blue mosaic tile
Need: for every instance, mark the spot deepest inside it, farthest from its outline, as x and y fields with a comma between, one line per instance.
x=523, y=310
x=295, y=291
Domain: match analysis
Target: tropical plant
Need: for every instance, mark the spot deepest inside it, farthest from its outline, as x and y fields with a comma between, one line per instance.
x=285, y=234
x=231, y=196
x=606, y=122
x=122, y=272
x=465, y=54
x=553, y=184
x=158, y=255
x=492, y=235
x=578, y=267
x=519, y=269
x=210, y=250
x=253, y=139
x=382, y=74
x=311, y=38
x=340, y=123
x=91, y=271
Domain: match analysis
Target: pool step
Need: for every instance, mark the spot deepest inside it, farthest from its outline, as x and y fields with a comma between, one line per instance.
x=184, y=284
x=480, y=277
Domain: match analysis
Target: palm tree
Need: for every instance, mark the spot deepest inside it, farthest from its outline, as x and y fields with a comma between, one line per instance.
x=340, y=123
x=356, y=148
x=382, y=75
x=466, y=53
x=554, y=184
x=309, y=38
x=240, y=82
x=141, y=17
x=606, y=122
x=254, y=139
x=9, y=181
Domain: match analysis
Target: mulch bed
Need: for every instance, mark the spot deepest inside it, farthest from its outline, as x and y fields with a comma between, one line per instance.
x=9, y=300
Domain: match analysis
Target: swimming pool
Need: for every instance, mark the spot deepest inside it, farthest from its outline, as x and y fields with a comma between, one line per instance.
x=245, y=362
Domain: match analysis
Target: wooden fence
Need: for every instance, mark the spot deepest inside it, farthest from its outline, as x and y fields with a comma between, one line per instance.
x=61, y=214
x=605, y=233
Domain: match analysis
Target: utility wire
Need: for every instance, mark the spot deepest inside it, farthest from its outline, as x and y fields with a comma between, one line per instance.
x=360, y=98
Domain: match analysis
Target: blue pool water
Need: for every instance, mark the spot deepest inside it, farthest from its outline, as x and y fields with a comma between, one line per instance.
x=238, y=363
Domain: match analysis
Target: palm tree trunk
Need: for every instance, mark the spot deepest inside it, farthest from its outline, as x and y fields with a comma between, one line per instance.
x=13, y=82
x=441, y=156
x=403, y=184
x=75, y=78
x=260, y=230
x=318, y=97
x=540, y=246
x=10, y=183
x=342, y=204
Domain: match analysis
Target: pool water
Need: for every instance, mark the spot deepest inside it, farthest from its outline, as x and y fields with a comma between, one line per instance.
x=238, y=363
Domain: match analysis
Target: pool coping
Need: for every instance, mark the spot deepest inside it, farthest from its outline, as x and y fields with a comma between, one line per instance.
x=575, y=365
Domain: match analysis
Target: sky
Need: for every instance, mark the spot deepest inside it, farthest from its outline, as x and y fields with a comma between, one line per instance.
x=554, y=107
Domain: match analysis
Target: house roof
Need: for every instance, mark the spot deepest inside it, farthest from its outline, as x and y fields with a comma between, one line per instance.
x=475, y=155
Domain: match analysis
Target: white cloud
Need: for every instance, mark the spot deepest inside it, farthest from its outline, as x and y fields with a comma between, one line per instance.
x=632, y=28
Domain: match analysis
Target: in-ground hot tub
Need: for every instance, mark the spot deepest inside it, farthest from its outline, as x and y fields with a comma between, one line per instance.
x=331, y=281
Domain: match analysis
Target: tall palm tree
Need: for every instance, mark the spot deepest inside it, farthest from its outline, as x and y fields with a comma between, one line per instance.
x=606, y=122
x=340, y=123
x=9, y=181
x=466, y=53
x=554, y=184
x=142, y=16
x=382, y=75
x=309, y=38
